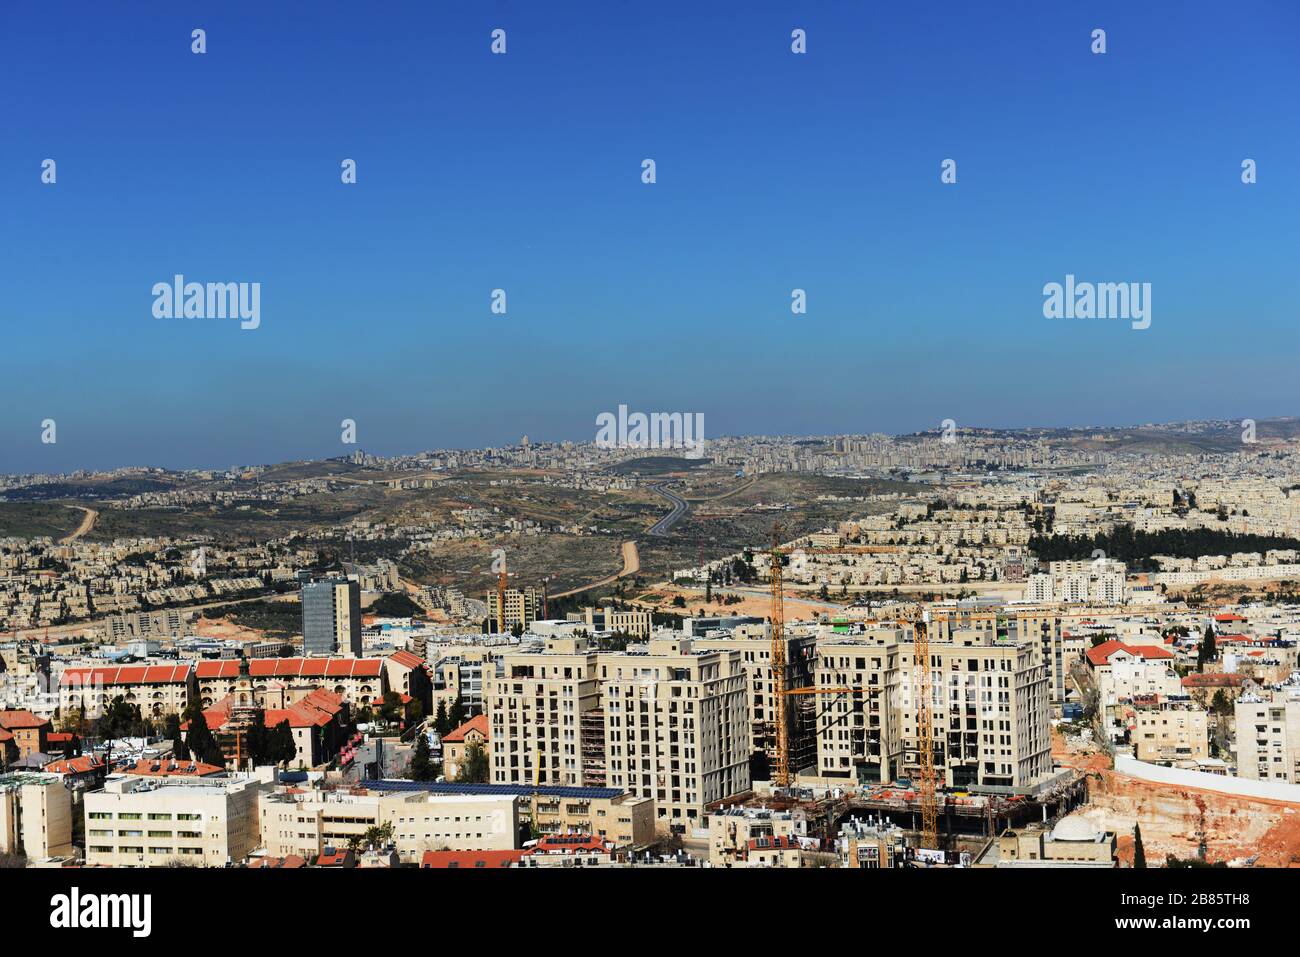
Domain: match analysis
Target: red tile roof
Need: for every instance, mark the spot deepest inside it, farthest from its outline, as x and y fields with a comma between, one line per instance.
x=314, y=710
x=477, y=723
x=289, y=860
x=782, y=843
x=1228, y=617
x=138, y=675
x=294, y=668
x=568, y=844
x=464, y=859
x=406, y=659
x=1101, y=654
x=80, y=765
x=16, y=720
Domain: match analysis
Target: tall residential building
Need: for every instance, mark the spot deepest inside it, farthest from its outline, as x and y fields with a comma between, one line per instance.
x=331, y=617
x=523, y=607
x=756, y=659
x=990, y=712
x=665, y=721
x=676, y=727
x=1268, y=739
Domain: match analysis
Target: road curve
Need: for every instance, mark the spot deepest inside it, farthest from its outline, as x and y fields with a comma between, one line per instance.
x=87, y=523
x=662, y=527
x=631, y=565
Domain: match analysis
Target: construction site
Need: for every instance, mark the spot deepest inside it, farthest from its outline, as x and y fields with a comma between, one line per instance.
x=944, y=825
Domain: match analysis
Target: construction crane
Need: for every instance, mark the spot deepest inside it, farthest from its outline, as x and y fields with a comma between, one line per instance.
x=779, y=676
x=925, y=731
x=501, y=598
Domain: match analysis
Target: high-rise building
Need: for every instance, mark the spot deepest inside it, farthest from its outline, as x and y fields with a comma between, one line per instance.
x=989, y=709
x=331, y=617
x=666, y=721
x=523, y=607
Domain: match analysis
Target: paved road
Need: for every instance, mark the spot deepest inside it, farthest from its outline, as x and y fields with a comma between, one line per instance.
x=680, y=508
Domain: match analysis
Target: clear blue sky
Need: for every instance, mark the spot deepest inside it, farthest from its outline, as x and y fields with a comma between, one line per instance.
x=522, y=171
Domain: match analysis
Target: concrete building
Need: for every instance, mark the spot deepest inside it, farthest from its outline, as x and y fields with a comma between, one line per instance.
x=456, y=743
x=756, y=660
x=1170, y=734
x=1074, y=842
x=158, y=689
x=279, y=682
x=35, y=816
x=306, y=822
x=664, y=721
x=990, y=711
x=158, y=821
x=331, y=617
x=621, y=819
x=1268, y=739
x=732, y=829
x=629, y=621
x=523, y=607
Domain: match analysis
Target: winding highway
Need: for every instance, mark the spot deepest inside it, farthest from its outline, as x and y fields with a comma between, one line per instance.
x=662, y=527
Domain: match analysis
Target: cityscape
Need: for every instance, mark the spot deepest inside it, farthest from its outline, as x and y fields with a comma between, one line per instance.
x=660, y=444
x=556, y=652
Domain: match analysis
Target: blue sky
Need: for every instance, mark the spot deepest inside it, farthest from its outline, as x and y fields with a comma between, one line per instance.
x=522, y=171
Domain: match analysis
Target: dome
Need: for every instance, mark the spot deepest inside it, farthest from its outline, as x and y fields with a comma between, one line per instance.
x=1076, y=827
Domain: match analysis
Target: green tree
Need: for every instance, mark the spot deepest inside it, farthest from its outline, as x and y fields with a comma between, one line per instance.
x=474, y=769
x=180, y=751
x=457, y=715
x=1139, y=853
x=282, y=748
x=441, y=722
x=1207, y=650
x=391, y=711
x=422, y=766
x=203, y=746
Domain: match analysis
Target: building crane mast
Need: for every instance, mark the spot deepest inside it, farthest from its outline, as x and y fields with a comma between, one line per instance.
x=923, y=682
x=779, y=676
x=925, y=730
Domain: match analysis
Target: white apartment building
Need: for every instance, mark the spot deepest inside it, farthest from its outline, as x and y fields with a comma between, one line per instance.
x=35, y=816
x=155, y=822
x=664, y=720
x=305, y=822
x=1268, y=739
x=990, y=709
x=1098, y=582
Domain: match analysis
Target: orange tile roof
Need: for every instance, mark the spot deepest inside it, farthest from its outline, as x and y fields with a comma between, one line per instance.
x=289, y=860
x=155, y=674
x=293, y=668
x=406, y=659
x=477, y=723
x=1101, y=654
x=15, y=720
x=80, y=765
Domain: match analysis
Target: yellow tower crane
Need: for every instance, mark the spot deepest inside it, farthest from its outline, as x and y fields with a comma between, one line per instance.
x=924, y=687
x=779, y=676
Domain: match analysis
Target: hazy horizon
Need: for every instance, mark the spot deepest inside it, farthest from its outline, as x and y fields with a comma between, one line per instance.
x=775, y=171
